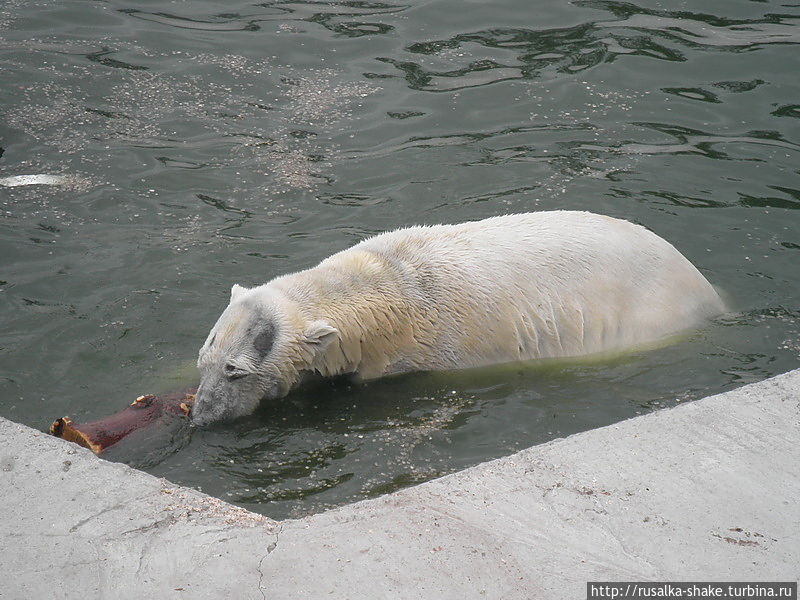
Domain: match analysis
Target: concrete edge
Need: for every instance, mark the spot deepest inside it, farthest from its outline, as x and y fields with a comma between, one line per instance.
x=705, y=490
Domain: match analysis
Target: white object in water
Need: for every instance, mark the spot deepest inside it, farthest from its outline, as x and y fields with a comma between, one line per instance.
x=43, y=179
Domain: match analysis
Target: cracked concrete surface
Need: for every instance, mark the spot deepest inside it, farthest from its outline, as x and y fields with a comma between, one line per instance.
x=705, y=491
x=270, y=548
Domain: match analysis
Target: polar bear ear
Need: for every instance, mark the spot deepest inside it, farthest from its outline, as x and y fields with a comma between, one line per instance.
x=237, y=291
x=320, y=334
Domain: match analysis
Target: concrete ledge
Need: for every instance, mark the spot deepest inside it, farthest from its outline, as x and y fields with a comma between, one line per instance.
x=705, y=491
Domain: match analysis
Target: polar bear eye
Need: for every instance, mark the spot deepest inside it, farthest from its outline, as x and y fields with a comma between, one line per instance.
x=234, y=372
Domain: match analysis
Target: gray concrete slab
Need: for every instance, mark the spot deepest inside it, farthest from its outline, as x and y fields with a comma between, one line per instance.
x=704, y=491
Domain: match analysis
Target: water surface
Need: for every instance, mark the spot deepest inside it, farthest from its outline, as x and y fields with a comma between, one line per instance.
x=153, y=154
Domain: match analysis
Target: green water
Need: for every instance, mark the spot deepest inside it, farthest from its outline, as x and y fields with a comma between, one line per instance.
x=208, y=143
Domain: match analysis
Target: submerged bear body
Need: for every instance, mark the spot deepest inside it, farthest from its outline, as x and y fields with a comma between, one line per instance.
x=510, y=288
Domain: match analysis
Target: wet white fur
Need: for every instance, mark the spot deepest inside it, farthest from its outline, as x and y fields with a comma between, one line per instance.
x=510, y=288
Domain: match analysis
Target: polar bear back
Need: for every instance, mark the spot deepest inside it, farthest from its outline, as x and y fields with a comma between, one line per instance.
x=524, y=286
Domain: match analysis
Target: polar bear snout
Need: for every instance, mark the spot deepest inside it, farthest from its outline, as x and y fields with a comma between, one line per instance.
x=212, y=403
x=220, y=398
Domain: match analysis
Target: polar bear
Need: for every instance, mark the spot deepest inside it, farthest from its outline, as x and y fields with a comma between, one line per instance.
x=508, y=288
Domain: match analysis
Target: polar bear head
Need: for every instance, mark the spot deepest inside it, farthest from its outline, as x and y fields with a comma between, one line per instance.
x=257, y=350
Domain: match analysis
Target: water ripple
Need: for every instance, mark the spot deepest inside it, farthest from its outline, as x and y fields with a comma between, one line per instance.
x=494, y=55
x=458, y=139
x=324, y=14
x=692, y=141
x=743, y=34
